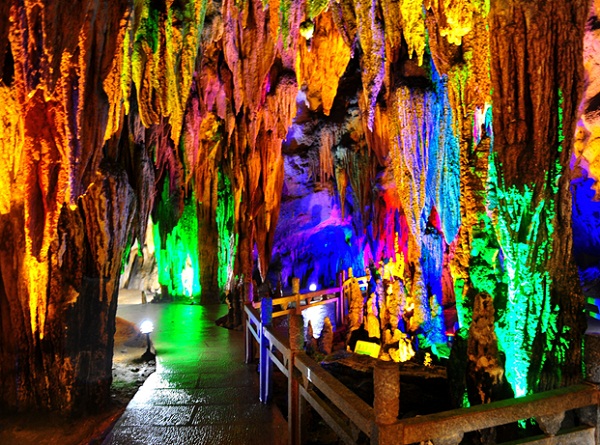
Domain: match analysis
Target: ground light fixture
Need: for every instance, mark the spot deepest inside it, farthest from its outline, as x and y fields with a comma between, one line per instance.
x=146, y=327
x=312, y=287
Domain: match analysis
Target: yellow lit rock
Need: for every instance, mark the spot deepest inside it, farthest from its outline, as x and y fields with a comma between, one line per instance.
x=321, y=62
x=413, y=25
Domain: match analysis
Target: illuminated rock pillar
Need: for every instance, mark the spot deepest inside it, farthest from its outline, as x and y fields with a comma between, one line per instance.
x=66, y=209
x=536, y=53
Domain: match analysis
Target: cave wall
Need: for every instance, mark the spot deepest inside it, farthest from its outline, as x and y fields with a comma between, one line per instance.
x=431, y=139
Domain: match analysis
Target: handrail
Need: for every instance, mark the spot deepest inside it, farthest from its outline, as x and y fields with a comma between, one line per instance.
x=251, y=319
x=282, y=344
x=252, y=313
x=308, y=306
x=343, y=405
x=301, y=297
x=464, y=420
x=336, y=296
x=356, y=409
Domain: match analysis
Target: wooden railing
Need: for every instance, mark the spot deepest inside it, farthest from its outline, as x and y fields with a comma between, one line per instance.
x=288, y=305
x=348, y=415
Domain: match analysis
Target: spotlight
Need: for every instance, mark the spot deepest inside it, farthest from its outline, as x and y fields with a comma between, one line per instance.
x=146, y=328
x=312, y=287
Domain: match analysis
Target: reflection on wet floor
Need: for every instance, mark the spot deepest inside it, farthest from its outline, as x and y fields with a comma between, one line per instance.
x=202, y=391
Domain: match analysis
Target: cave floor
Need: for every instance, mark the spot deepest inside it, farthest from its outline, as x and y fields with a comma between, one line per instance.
x=202, y=391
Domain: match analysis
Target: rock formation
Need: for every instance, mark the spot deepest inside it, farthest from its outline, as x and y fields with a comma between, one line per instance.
x=291, y=138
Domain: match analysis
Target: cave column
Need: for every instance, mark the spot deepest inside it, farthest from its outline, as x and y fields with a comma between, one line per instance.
x=536, y=52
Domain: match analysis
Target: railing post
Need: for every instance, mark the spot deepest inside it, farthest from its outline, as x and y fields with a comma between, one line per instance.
x=249, y=343
x=340, y=303
x=296, y=332
x=266, y=315
x=591, y=359
x=386, y=406
x=296, y=292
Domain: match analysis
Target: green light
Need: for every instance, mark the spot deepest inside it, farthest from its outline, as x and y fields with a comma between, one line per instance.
x=316, y=7
x=561, y=136
x=227, y=239
x=284, y=19
x=524, y=229
x=484, y=269
x=465, y=401
x=177, y=254
x=126, y=253
x=463, y=310
x=149, y=27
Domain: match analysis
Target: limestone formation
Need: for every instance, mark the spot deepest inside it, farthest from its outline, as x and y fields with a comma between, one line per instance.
x=265, y=140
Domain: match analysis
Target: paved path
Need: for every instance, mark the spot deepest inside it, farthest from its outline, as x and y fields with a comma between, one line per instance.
x=202, y=392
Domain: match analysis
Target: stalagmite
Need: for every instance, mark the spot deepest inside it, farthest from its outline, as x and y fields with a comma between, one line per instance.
x=326, y=338
x=355, y=304
x=485, y=370
x=372, y=322
x=265, y=140
x=311, y=345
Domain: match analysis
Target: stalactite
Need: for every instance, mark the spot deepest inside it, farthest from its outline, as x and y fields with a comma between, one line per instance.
x=378, y=139
x=249, y=49
x=136, y=158
x=344, y=17
x=279, y=110
x=6, y=68
x=413, y=27
x=586, y=147
x=425, y=166
x=408, y=155
x=469, y=87
x=165, y=47
x=114, y=85
x=11, y=135
x=372, y=42
x=326, y=166
x=117, y=110
x=315, y=7
x=392, y=20
x=206, y=179
x=321, y=62
x=168, y=170
x=456, y=17
x=432, y=256
x=291, y=14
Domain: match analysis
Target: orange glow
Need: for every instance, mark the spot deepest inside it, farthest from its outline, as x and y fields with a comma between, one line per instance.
x=321, y=62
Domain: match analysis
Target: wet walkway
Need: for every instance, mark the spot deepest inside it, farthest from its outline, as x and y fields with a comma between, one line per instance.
x=202, y=391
